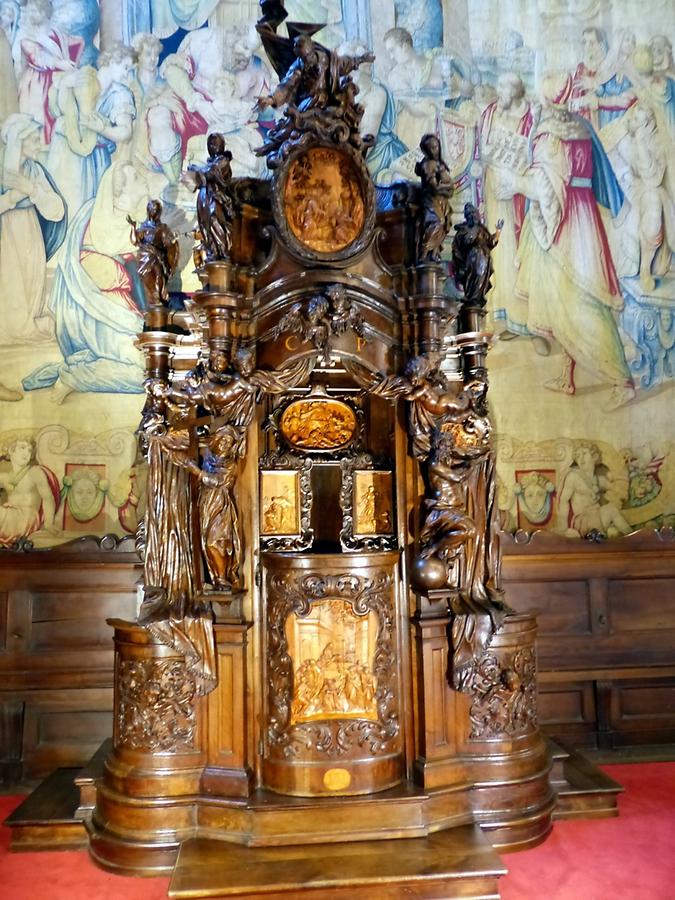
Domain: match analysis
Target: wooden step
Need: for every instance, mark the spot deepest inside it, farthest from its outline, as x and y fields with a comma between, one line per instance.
x=87, y=778
x=46, y=820
x=586, y=792
x=458, y=862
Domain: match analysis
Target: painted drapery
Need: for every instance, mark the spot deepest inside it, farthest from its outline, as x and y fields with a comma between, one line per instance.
x=557, y=116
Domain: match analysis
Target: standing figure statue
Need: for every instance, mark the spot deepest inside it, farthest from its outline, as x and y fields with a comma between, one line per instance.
x=215, y=203
x=437, y=189
x=471, y=255
x=158, y=253
x=218, y=519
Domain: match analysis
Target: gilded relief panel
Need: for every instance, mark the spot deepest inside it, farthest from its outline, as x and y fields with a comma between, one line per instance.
x=372, y=503
x=332, y=649
x=279, y=503
x=324, y=201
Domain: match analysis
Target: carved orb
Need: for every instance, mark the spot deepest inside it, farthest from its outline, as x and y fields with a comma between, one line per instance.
x=429, y=574
x=323, y=200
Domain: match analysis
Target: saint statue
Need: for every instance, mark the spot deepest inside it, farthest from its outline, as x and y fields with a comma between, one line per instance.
x=471, y=255
x=437, y=189
x=158, y=253
x=215, y=203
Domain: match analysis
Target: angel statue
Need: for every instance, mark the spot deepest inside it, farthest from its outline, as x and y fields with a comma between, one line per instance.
x=437, y=189
x=233, y=395
x=433, y=401
x=158, y=253
x=313, y=86
x=313, y=324
x=215, y=203
x=472, y=247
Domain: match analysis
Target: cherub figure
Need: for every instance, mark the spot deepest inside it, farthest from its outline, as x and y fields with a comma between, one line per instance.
x=437, y=189
x=344, y=314
x=215, y=203
x=312, y=323
x=158, y=253
x=471, y=255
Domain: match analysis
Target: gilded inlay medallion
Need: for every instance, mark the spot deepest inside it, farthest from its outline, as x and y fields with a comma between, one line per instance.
x=318, y=424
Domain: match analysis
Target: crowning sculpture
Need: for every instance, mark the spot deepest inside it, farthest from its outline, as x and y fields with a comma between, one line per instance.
x=300, y=533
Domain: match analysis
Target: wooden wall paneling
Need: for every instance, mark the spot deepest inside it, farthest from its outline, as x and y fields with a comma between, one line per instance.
x=642, y=711
x=567, y=709
x=56, y=653
x=606, y=647
x=64, y=727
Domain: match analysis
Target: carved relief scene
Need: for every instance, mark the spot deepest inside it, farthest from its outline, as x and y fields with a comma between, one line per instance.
x=332, y=650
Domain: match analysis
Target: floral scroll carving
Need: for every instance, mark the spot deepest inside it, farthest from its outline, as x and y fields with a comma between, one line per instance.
x=293, y=595
x=156, y=705
x=504, y=695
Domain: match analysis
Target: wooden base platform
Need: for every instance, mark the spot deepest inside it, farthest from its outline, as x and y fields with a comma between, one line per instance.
x=459, y=862
x=47, y=819
x=584, y=791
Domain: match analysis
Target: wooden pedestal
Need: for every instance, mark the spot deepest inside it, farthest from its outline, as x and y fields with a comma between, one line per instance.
x=181, y=765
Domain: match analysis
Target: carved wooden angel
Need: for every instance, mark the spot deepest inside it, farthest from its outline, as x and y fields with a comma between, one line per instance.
x=313, y=323
x=234, y=395
x=158, y=253
x=433, y=401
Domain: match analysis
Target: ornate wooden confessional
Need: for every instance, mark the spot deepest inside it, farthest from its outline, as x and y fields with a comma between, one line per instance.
x=323, y=652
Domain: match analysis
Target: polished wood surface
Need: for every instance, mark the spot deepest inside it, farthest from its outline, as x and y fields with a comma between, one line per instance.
x=446, y=865
x=598, y=685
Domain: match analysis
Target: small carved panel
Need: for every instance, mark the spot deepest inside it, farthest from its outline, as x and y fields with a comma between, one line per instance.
x=504, y=695
x=323, y=200
x=285, y=502
x=372, y=503
x=367, y=503
x=280, y=503
x=318, y=424
x=156, y=705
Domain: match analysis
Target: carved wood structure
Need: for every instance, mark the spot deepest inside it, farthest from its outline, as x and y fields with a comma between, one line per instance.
x=323, y=614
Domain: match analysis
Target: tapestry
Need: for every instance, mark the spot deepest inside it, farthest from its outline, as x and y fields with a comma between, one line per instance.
x=556, y=117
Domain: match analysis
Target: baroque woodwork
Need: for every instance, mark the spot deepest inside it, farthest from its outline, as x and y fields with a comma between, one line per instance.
x=156, y=705
x=323, y=610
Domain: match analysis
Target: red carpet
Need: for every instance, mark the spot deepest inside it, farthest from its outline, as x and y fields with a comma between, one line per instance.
x=631, y=857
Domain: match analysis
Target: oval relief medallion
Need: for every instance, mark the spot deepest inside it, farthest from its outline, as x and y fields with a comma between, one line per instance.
x=318, y=424
x=323, y=200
